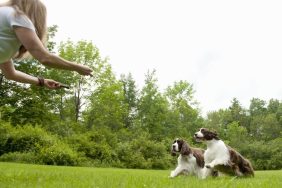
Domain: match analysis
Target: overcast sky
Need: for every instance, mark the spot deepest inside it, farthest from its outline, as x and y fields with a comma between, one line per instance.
x=224, y=48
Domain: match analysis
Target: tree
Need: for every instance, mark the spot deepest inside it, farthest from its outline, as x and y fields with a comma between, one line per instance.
x=82, y=52
x=257, y=107
x=152, y=107
x=238, y=113
x=183, y=111
x=273, y=106
x=130, y=99
x=106, y=107
x=236, y=135
x=271, y=128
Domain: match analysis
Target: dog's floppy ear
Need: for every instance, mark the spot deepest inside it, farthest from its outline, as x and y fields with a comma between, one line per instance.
x=213, y=134
x=185, y=149
x=209, y=135
x=199, y=159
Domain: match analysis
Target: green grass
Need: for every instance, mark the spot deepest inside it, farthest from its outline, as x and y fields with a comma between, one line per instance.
x=24, y=175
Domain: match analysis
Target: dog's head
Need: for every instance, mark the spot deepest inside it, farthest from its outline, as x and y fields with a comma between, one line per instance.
x=180, y=146
x=204, y=134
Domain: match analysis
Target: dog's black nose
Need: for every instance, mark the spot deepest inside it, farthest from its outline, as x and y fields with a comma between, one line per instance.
x=173, y=146
x=195, y=134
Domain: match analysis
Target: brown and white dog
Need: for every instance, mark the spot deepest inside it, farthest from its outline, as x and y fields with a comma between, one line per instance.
x=222, y=157
x=190, y=161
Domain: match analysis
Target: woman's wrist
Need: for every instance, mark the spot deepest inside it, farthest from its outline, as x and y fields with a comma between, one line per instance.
x=40, y=81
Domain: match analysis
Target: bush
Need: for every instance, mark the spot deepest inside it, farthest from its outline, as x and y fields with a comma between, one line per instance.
x=34, y=145
x=24, y=139
x=19, y=157
x=265, y=155
x=130, y=158
x=95, y=146
x=58, y=154
x=144, y=153
x=5, y=131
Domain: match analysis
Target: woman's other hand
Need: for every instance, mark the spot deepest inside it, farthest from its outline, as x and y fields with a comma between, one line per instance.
x=51, y=84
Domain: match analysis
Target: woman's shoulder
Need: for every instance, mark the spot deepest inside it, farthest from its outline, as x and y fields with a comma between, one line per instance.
x=7, y=11
x=15, y=19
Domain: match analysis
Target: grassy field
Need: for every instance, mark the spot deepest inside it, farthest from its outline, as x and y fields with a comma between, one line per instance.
x=23, y=175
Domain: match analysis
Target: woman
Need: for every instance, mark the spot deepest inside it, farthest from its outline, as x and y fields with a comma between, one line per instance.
x=23, y=29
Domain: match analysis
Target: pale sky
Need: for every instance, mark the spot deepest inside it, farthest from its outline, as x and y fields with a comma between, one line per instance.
x=224, y=48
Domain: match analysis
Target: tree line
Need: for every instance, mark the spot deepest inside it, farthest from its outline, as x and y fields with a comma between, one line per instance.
x=107, y=121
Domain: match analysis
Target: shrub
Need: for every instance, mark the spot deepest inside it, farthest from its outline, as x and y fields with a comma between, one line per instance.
x=58, y=154
x=29, y=157
x=95, y=146
x=144, y=153
x=24, y=139
x=34, y=145
x=265, y=155
x=130, y=158
x=5, y=131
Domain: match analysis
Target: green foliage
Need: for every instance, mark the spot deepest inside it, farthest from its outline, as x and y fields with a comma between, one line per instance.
x=236, y=135
x=183, y=115
x=152, y=107
x=5, y=131
x=130, y=100
x=144, y=153
x=58, y=154
x=82, y=52
x=265, y=155
x=23, y=139
x=257, y=107
x=107, y=107
x=95, y=145
x=19, y=157
x=34, y=145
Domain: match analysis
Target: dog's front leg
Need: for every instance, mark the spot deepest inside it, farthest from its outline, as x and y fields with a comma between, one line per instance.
x=176, y=172
x=214, y=163
x=205, y=173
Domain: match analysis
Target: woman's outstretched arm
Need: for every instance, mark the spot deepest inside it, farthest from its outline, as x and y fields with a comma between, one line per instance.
x=35, y=47
x=11, y=73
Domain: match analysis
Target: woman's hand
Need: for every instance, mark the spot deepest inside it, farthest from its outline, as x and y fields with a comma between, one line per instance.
x=84, y=70
x=51, y=84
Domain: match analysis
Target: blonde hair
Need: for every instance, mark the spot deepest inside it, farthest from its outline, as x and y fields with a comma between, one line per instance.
x=36, y=11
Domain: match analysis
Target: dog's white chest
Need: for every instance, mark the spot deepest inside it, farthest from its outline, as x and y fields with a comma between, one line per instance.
x=216, y=150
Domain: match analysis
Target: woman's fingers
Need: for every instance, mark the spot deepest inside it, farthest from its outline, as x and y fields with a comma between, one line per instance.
x=85, y=70
x=51, y=84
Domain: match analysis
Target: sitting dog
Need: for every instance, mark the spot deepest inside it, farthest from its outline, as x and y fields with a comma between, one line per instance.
x=190, y=161
x=222, y=157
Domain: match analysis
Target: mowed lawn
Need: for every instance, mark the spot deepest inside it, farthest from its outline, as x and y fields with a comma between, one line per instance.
x=24, y=175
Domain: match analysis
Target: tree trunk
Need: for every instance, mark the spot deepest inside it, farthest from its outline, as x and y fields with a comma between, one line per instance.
x=77, y=102
x=1, y=80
